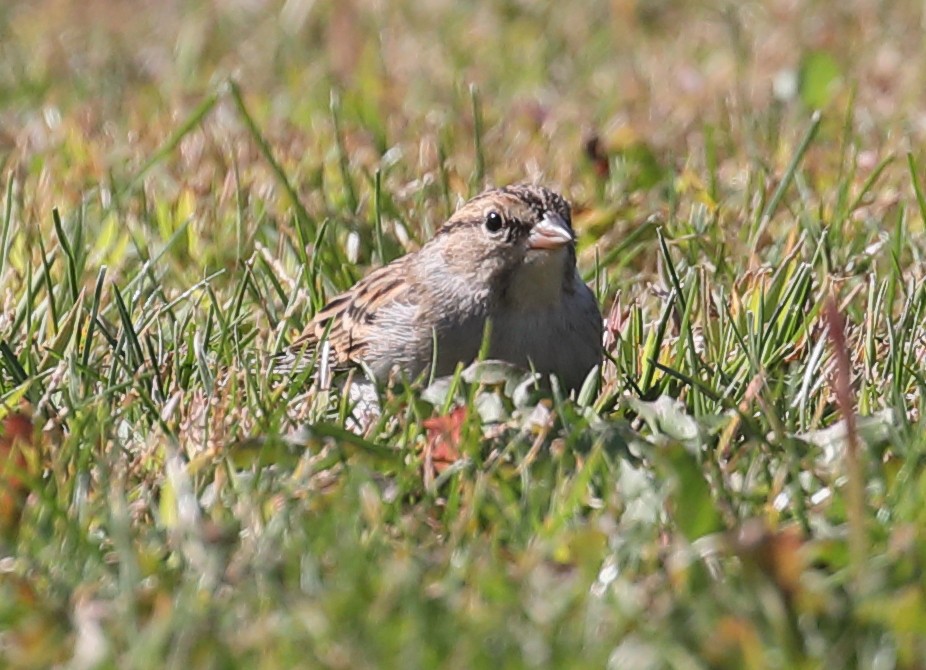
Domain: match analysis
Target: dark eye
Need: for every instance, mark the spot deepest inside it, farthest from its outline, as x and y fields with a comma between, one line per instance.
x=493, y=222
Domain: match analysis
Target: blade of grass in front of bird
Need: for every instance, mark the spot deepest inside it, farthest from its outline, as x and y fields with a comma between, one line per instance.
x=49, y=289
x=711, y=163
x=200, y=348
x=444, y=177
x=135, y=355
x=380, y=247
x=477, y=182
x=94, y=312
x=686, y=334
x=6, y=237
x=224, y=325
x=302, y=252
x=688, y=380
x=914, y=333
x=685, y=345
x=917, y=187
x=744, y=366
x=632, y=345
x=248, y=285
x=798, y=321
x=27, y=304
x=155, y=366
x=895, y=275
x=809, y=379
x=774, y=338
x=653, y=343
x=240, y=216
x=873, y=305
x=314, y=266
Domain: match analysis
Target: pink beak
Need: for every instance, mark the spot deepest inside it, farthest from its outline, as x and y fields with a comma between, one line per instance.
x=551, y=233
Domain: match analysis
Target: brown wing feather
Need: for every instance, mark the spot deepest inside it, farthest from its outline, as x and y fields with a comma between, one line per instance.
x=348, y=318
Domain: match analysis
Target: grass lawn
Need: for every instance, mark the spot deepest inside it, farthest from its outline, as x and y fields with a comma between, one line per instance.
x=182, y=185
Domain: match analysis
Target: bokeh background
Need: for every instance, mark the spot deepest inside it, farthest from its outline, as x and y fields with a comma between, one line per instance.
x=92, y=89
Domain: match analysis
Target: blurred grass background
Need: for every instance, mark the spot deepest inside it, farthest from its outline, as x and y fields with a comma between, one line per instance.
x=183, y=183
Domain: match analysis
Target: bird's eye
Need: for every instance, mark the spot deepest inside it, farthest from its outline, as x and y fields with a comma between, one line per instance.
x=493, y=222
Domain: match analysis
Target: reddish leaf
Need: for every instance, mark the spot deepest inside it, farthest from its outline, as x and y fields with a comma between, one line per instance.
x=16, y=436
x=595, y=152
x=617, y=320
x=443, y=439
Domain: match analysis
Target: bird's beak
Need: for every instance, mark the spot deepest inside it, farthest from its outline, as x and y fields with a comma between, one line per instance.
x=551, y=233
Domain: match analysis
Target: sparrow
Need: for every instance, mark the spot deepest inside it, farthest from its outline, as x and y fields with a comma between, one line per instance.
x=506, y=258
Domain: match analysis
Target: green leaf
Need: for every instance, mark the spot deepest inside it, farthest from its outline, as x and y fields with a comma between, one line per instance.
x=818, y=79
x=667, y=416
x=693, y=506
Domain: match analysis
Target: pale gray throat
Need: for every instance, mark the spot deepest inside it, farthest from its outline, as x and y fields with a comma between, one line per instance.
x=540, y=282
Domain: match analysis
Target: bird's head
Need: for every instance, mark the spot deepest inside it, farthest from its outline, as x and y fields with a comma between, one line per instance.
x=519, y=237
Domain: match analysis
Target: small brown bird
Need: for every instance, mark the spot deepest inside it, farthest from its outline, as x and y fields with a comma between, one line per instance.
x=507, y=256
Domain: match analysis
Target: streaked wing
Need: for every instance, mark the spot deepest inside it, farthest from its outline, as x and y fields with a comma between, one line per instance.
x=349, y=319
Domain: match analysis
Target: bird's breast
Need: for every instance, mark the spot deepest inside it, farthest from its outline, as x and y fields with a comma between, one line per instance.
x=563, y=338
